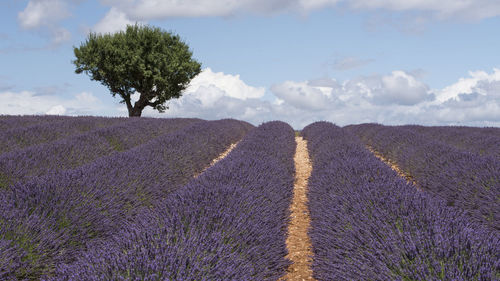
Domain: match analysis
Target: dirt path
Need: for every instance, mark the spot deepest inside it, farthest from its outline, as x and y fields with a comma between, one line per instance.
x=298, y=242
x=220, y=157
x=394, y=166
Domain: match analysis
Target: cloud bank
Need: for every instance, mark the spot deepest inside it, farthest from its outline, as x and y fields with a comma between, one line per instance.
x=46, y=16
x=395, y=98
x=31, y=102
x=444, y=9
x=398, y=97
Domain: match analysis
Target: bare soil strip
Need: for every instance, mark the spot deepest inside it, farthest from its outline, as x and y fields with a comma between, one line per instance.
x=220, y=157
x=394, y=166
x=298, y=242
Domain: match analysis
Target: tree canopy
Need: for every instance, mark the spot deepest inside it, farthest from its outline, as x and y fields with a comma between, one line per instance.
x=143, y=59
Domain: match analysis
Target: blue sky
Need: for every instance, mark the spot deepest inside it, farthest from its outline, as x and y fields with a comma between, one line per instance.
x=345, y=61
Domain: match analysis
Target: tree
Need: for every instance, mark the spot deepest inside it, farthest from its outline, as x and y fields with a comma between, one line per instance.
x=142, y=59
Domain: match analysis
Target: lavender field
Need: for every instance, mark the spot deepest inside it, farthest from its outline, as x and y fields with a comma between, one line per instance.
x=94, y=198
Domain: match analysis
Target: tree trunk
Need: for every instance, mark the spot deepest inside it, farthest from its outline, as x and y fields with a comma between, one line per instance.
x=135, y=112
x=130, y=108
x=139, y=105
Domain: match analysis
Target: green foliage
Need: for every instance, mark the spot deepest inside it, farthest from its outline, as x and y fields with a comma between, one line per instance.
x=31, y=255
x=115, y=143
x=4, y=181
x=143, y=59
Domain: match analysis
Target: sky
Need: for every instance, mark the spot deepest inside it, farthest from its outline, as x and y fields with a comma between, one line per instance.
x=345, y=61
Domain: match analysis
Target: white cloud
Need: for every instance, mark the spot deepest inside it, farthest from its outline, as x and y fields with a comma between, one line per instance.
x=479, y=82
x=465, y=9
x=86, y=98
x=309, y=5
x=28, y=102
x=445, y=9
x=154, y=9
x=42, y=13
x=303, y=95
x=397, y=98
x=114, y=20
x=196, y=8
x=208, y=89
x=56, y=110
x=401, y=88
x=231, y=85
x=216, y=95
x=45, y=15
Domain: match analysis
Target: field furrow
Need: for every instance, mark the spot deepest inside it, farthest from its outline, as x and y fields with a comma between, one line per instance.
x=368, y=223
x=45, y=132
x=49, y=220
x=8, y=122
x=482, y=141
x=298, y=242
x=227, y=224
x=462, y=179
x=91, y=198
x=74, y=151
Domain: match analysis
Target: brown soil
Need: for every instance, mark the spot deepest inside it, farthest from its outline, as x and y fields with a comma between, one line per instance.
x=298, y=242
x=220, y=157
x=223, y=154
x=395, y=167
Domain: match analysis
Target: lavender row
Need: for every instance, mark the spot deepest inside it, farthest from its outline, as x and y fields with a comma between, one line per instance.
x=367, y=223
x=74, y=151
x=462, y=179
x=17, y=121
x=482, y=141
x=228, y=224
x=47, y=221
x=49, y=131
